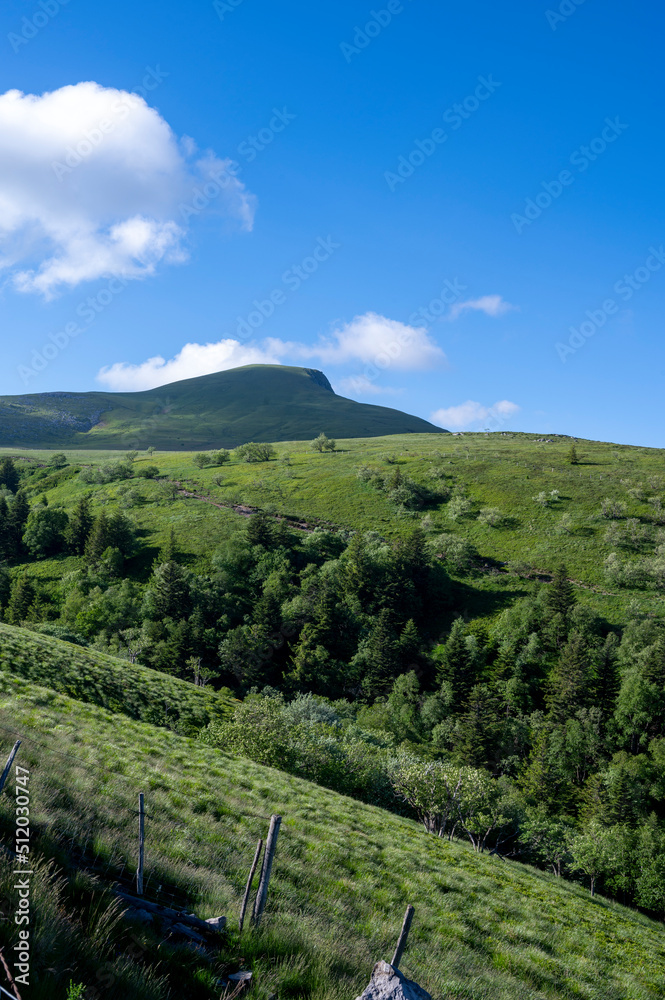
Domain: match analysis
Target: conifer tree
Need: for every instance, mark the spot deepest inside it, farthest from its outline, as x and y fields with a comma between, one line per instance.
x=9, y=476
x=121, y=533
x=409, y=644
x=569, y=681
x=260, y=530
x=378, y=658
x=560, y=595
x=80, y=525
x=479, y=729
x=98, y=539
x=16, y=522
x=20, y=601
x=5, y=585
x=458, y=667
x=4, y=528
x=168, y=593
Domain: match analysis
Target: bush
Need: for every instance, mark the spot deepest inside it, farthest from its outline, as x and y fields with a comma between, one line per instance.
x=458, y=554
x=459, y=507
x=612, y=508
x=220, y=457
x=305, y=739
x=45, y=531
x=109, y=473
x=254, y=452
x=201, y=460
x=148, y=472
x=323, y=443
x=492, y=517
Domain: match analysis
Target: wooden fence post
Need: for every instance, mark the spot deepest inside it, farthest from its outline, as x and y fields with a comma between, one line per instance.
x=10, y=761
x=401, y=944
x=139, y=870
x=271, y=844
x=248, y=888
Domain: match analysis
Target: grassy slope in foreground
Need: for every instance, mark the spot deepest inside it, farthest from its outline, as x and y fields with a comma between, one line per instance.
x=94, y=677
x=223, y=410
x=344, y=872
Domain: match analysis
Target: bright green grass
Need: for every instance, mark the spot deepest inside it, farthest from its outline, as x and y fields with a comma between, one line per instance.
x=502, y=472
x=94, y=677
x=344, y=871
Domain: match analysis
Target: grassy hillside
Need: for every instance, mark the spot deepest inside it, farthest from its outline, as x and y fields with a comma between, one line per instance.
x=258, y=402
x=344, y=872
x=505, y=473
x=117, y=685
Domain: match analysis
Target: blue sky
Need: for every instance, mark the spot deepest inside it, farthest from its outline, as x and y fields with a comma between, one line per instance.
x=471, y=194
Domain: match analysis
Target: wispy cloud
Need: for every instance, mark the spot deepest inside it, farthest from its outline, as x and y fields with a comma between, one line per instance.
x=360, y=385
x=491, y=305
x=468, y=414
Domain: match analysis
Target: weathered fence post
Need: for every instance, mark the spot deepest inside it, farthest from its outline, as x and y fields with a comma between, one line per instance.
x=401, y=944
x=271, y=844
x=139, y=870
x=248, y=888
x=10, y=761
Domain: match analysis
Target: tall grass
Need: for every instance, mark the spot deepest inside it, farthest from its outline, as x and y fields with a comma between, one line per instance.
x=344, y=872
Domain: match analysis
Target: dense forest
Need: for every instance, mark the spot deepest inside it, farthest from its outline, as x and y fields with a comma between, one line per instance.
x=538, y=735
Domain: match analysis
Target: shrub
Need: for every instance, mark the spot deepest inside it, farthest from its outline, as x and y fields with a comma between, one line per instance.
x=220, y=457
x=612, y=508
x=323, y=443
x=458, y=554
x=45, y=531
x=148, y=472
x=459, y=507
x=492, y=517
x=255, y=452
x=201, y=460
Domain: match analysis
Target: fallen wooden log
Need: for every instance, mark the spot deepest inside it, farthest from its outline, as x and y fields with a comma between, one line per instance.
x=189, y=933
x=214, y=926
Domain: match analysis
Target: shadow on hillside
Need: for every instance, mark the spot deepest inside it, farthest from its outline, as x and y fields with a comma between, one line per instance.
x=470, y=602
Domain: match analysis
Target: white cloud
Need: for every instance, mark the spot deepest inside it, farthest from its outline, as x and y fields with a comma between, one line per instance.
x=191, y=361
x=93, y=182
x=381, y=343
x=491, y=305
x=374, y=340
x=467, y=414
x=360, y=385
